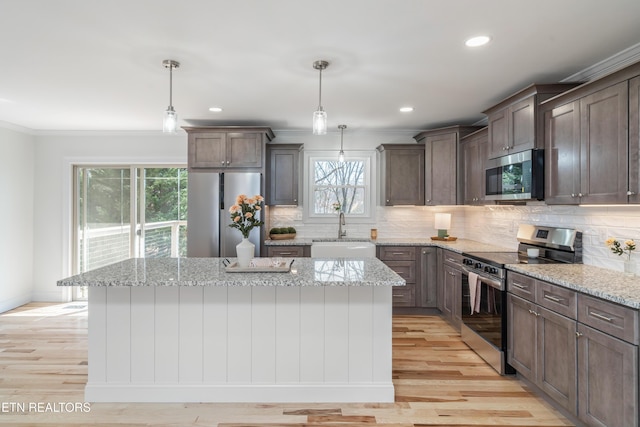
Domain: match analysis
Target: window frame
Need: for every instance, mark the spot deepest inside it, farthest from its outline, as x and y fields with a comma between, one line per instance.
x=370, y=186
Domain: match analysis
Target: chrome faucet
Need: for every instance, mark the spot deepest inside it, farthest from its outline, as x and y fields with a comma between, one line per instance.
x=341, y=233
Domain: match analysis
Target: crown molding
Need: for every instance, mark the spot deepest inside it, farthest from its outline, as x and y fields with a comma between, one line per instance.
x=17, y=128
x=609, y=65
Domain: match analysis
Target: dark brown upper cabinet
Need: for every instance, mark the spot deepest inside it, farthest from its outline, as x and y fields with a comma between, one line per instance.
x=514, y=124
x=474, y=157
x=592, y=142
x=228, y=148
x=283, y=174
x=443, y=184
x=402, y=174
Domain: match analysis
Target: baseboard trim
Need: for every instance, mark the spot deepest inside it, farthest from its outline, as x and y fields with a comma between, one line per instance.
x=254, y=393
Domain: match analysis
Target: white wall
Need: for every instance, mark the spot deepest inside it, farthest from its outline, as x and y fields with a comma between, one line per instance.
x=499, y=225
x=55, y=155
x=16, y=217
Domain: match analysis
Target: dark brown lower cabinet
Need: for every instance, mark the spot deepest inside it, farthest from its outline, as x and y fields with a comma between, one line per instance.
x=289, y=251
x=542, y=348
x=589, y=372
x=449, y=290
x=607, y=379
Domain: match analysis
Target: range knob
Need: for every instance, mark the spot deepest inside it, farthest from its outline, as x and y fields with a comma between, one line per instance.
x=467, y=261
x=491, y=270
x=477, y=265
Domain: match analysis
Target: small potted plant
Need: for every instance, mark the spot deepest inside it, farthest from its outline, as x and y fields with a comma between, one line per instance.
x=282, y=233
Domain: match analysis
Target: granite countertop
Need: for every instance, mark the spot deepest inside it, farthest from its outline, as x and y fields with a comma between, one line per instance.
x=459, y=246
x=596, y=281
x=211, y=272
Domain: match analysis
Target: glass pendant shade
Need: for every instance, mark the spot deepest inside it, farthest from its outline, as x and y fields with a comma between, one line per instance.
x=341, y=156
x=170, y=117
x=170, y=121
x=320, y=122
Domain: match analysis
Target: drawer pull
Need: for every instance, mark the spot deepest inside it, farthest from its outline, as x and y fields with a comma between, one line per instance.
x=452, y=260
x=600, y=316
x=398, y=295
x=285, y=253
x=578, y=334
x=534, y=313
x=552, y=298
x=519, y=286
x=398, y=253
x=450, y=273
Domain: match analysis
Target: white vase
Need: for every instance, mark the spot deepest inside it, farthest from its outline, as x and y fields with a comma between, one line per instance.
x=244, y=252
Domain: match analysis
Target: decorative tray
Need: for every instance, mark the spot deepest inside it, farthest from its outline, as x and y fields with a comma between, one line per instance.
x=282, y=236
x=283, y=266
x=446, y=239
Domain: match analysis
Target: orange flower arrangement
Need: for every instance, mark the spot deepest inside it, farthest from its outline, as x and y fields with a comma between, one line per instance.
x=244, y=213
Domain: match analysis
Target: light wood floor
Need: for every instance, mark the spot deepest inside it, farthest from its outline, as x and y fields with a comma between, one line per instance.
x=438, y=382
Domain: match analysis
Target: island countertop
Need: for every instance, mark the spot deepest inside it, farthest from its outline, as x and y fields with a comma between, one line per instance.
x=212, y=272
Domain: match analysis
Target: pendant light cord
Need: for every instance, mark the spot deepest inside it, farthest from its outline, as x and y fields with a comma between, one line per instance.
x=171, y=85
x=320, y=93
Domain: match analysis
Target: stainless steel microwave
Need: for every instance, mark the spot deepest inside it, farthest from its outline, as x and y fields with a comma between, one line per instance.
x=518, y=176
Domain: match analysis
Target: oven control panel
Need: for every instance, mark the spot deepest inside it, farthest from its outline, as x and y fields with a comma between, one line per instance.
x=482, y=267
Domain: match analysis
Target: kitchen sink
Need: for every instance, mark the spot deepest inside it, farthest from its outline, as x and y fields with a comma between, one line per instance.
x=354, y=248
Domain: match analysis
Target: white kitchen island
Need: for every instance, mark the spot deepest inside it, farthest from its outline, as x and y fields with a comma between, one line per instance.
x=185, y=330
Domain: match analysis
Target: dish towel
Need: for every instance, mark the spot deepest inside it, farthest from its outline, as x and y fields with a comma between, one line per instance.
x=474, y=292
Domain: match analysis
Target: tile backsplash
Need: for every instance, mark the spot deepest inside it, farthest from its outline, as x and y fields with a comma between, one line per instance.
x=488, y=224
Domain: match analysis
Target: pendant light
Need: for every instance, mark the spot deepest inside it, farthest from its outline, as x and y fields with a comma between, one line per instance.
x=341, y=153
x=320, y=116
x=170, y=119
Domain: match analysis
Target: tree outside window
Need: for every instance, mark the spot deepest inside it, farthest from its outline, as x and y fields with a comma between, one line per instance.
x=339, y=182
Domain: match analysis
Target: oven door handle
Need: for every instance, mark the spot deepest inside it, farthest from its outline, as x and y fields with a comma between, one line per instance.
x=494, y=283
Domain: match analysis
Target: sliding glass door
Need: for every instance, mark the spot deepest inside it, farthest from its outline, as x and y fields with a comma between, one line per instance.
x=123, y=212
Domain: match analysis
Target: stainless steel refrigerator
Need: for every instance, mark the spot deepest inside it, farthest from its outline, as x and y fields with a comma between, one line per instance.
x=209, y=199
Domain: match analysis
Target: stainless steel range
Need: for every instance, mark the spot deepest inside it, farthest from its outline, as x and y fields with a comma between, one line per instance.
x=484, y=295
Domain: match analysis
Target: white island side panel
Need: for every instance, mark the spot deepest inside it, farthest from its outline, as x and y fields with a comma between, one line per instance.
x=240, y=344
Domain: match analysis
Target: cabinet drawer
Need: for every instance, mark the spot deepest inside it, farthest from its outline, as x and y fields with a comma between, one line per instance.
x=453, y=259
x=397, y=253
x=286, y=251
x=522, y=286
x=405, y=269
x=613, y=319
x=558, y=299
x=403, y=296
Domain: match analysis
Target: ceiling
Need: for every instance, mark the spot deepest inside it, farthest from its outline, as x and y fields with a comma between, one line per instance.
x=97, y=65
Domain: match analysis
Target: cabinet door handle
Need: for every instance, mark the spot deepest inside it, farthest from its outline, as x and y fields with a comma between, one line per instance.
x=573, y=195
x=519, y=286
x=227, y=162
x=534, y=313
x=631, y=193
x=600, y=316
x=295, y=200
x=450, y=273
x=578, y=334
x=222, y=163
x=581, y=195
x=552, y=298
x=387, y=200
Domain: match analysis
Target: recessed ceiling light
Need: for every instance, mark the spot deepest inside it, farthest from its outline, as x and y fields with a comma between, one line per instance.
x=477, y=41
x=215, y=109
x=406, y=109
